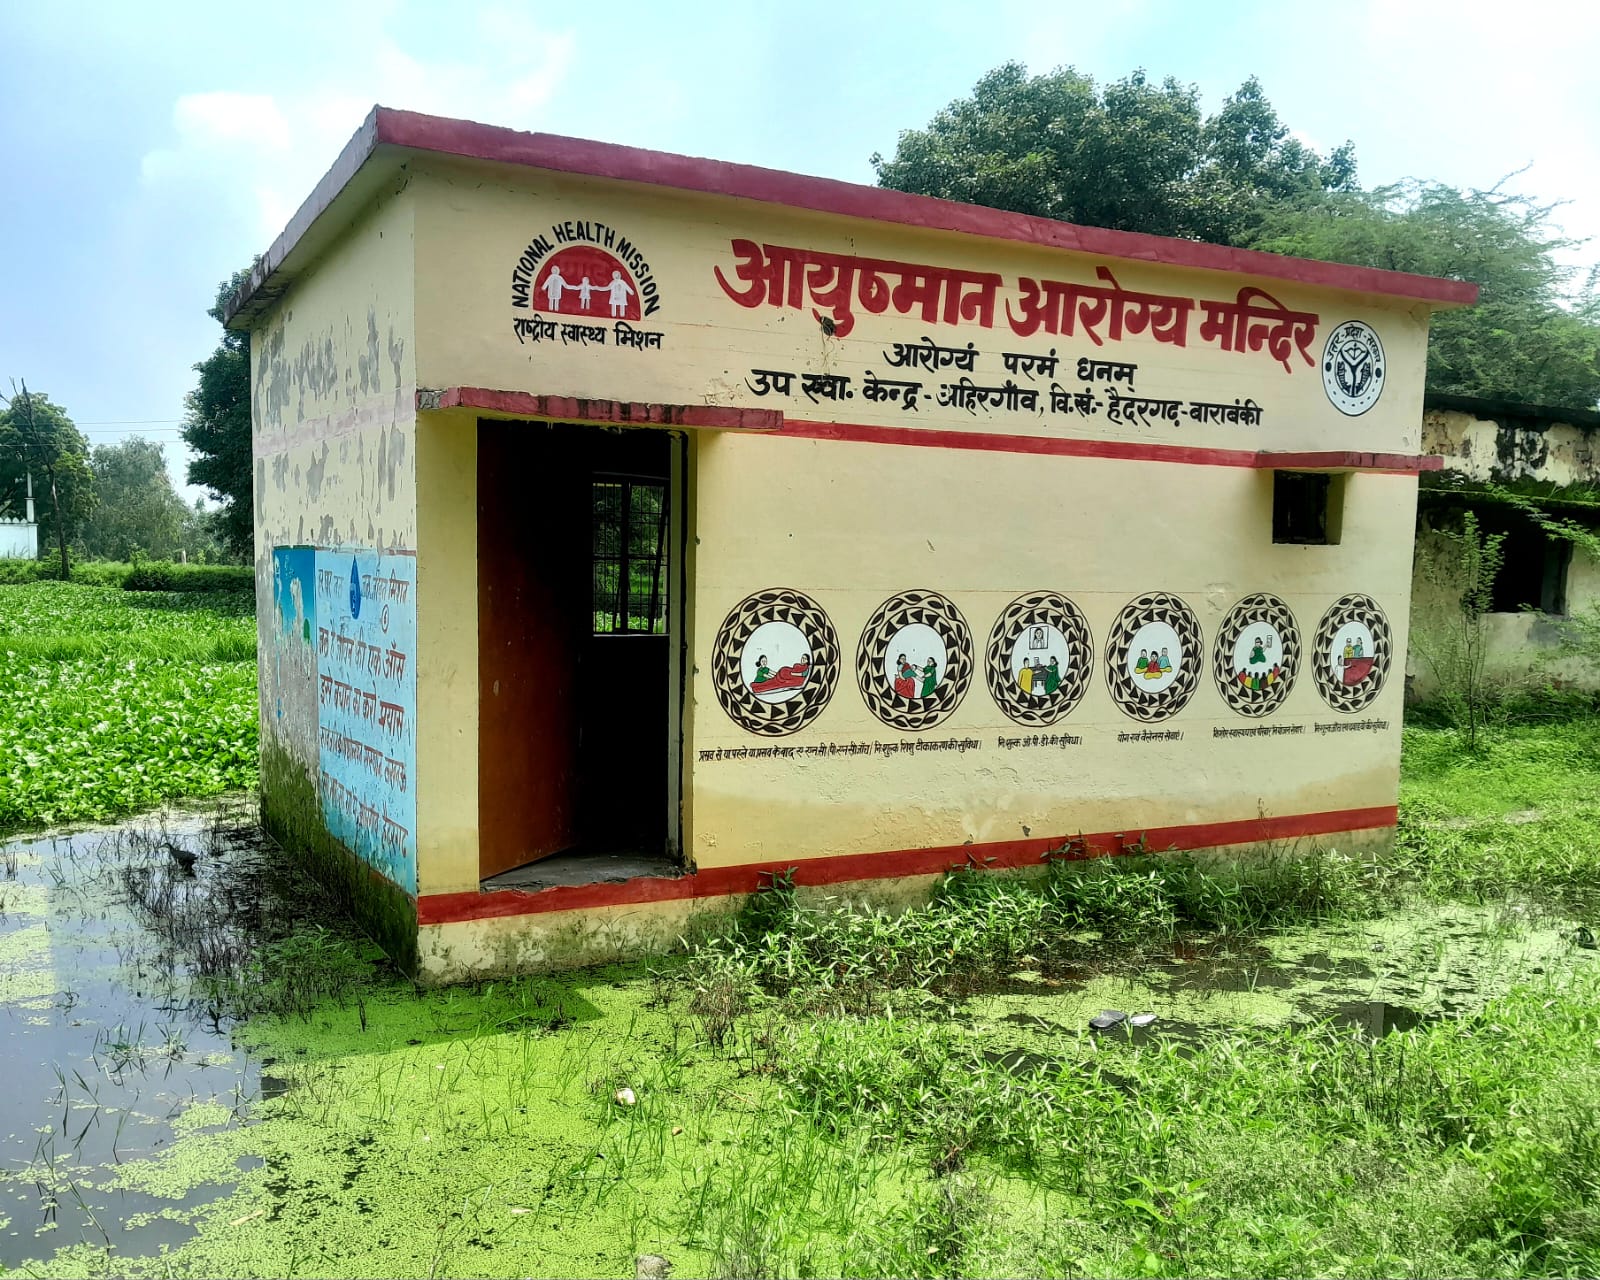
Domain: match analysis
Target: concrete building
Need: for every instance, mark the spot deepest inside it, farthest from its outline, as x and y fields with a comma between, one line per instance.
x=19, y=531
x=632, y=526
x=1518, y=467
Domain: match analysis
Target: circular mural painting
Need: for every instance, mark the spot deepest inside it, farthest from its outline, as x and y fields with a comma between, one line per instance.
x=1038, y=659
x=776, y=662
x=1153, y=657
x=1352, y=652
x=1256, y=655
x=915, y=660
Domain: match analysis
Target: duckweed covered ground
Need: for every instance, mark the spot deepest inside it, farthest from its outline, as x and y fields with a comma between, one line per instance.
x=1405, y=1080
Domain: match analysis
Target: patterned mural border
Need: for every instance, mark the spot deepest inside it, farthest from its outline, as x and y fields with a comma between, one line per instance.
x=1253, y=610
x=1040, y=608
x=1154, y=606
x=775, y=719
x=1339, y=695
x=911, y=608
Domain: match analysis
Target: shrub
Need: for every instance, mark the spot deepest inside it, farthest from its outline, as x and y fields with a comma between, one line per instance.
x=145, y=575
x=160, y=575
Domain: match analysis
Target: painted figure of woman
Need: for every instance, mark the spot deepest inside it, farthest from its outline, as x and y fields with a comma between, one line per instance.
x=763, y=671
x=930, y=677
x=1258, y=651
x=1143, y=665
x=905, y=683
x=1166, y=663
x=1052, y=677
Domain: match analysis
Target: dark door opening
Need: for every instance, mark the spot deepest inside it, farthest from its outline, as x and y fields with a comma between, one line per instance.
x=578, y=685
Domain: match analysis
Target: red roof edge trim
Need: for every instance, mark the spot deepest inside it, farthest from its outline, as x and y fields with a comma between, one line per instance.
x=580, y=156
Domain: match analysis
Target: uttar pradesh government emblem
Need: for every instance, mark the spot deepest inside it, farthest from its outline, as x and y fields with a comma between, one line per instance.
x=914, y=661
x=1353, y=368
x=1038, y=658
x=1352, y=652
x=1256, y=655
x=1154, y=657
x=775, y=662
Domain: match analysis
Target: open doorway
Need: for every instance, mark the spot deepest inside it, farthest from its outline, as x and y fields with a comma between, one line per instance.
x=579, y=653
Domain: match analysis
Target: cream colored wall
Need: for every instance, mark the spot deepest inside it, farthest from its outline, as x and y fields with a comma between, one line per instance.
x=333, y=393
x=447, y=642
x=473, y=223
x=851, y=524
x=333, y=383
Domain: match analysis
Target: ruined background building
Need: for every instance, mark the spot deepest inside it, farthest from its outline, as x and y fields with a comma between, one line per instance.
x=1516, y=467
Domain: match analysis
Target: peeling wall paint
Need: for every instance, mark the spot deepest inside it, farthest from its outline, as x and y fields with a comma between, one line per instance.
x=1504, y=450
x=333, y=417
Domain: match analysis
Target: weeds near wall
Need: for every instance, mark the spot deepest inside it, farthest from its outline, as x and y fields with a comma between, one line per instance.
x=1456, y=650
x=837, y=959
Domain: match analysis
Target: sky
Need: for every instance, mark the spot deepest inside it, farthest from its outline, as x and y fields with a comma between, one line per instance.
x=154, y=148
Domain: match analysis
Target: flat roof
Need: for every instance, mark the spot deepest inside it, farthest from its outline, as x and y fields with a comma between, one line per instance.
x=386, y=134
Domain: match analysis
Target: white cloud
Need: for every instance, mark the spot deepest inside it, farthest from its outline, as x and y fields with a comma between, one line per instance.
x=1488, y=97
x=268, y=149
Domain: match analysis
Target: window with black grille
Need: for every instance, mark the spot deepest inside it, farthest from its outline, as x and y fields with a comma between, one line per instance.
x=1300, y=507
x=630, y=539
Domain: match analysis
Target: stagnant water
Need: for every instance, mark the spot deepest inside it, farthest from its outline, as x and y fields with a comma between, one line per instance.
x=115, y=1048
x=109, y=1052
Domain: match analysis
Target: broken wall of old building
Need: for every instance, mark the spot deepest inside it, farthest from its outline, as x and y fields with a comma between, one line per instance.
x=1490, y=451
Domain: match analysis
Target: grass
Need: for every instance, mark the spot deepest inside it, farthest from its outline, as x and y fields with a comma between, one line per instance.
x=824, y=1091
x=1519, y=815
x=118, y=701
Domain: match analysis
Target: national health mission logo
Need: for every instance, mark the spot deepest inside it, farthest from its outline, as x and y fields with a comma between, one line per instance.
x=1353, y=368
x=584, y=282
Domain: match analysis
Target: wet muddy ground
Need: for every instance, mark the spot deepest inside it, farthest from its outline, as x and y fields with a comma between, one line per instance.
x=135, y=1122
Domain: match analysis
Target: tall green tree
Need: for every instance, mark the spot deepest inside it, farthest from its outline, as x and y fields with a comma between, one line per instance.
x=216, y=427
x=1534, y=336
x=1133, y=155
x=138, y=511
x=1136, y=155
x=37, y=438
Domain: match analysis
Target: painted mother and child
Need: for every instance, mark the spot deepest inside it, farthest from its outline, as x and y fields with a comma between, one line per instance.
x=791, y=677
x=907, y=678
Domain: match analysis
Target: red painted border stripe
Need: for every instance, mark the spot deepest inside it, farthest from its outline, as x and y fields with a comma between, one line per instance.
x=574, y=409
x=1125, y=450
x=715, y=882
